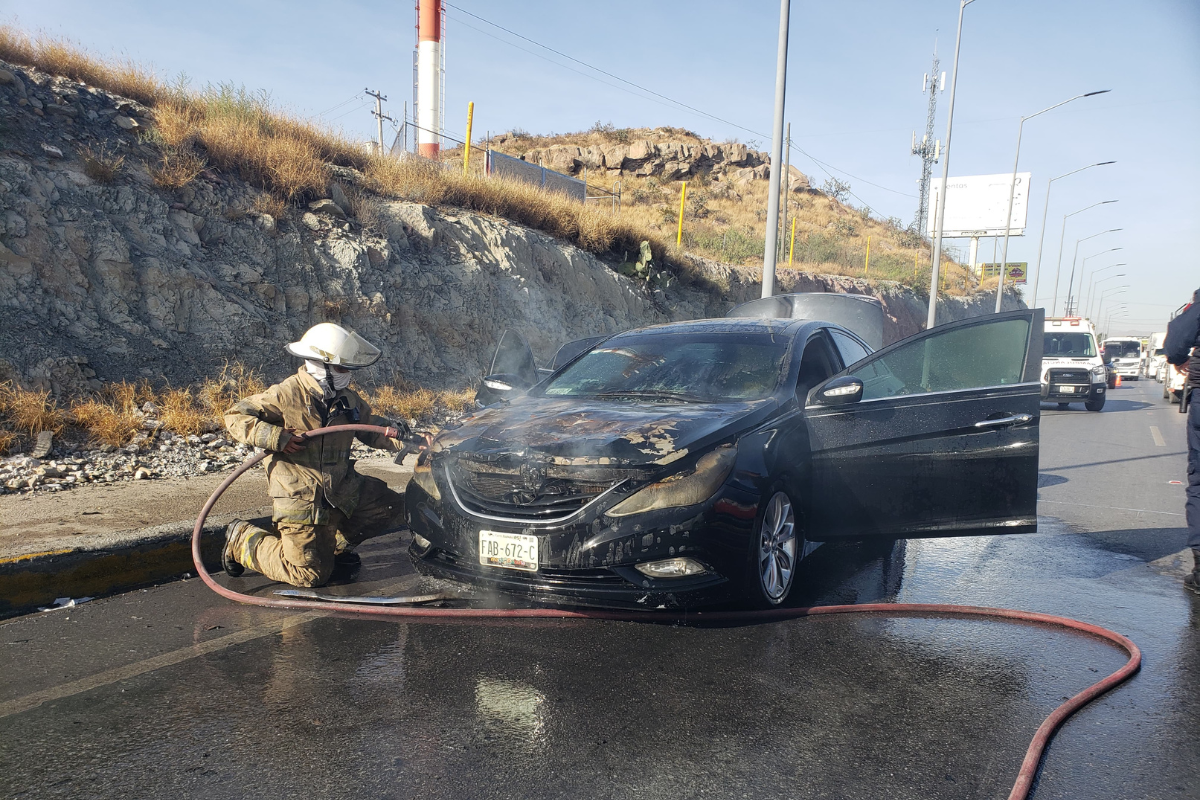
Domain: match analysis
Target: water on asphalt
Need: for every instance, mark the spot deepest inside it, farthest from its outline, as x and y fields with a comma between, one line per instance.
x=171, y=691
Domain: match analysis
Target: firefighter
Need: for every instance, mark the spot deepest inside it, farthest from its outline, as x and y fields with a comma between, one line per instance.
x=322, y=507
x=1182, y=347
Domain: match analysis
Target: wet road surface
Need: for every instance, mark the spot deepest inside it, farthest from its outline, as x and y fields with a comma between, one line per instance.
x=172, y=691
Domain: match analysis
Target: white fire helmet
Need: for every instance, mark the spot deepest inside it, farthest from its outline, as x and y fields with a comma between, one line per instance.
x=333, y=344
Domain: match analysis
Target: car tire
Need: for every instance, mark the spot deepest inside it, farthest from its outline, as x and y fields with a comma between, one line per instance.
x=775, y=551
x=1095, y=405
x=1063, y=406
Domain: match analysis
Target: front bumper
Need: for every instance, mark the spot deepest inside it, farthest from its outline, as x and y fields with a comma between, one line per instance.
x=1072, y=392
x=591, y=562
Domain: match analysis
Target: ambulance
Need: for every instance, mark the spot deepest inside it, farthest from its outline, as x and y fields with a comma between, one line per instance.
x=1072, y=369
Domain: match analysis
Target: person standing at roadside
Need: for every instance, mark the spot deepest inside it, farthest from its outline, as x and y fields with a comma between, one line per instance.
x=1182, y=347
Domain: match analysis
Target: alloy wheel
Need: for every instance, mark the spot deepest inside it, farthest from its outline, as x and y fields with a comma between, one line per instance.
x=777, y=548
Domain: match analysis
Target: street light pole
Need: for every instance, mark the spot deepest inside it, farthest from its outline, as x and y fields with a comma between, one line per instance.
x=1074, y=258
x=1104, y=296
x=1093, y=283
x=1119, y=275
x=768, y=278
x=1083, y=271
x=1012, y=191
x=1045, y=212
x=940, y=216
x=1061, y=240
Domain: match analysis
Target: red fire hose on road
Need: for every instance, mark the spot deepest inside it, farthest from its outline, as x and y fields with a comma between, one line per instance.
x=1033, y=755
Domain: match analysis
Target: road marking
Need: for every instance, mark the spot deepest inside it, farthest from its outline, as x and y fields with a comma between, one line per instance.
x=1157, y=435
x=31, y=701
x=1114, y=508
x=27, y=556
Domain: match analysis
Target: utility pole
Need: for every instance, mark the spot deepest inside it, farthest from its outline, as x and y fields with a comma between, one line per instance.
x=379, y=115
x=787, y=185
x=929, y=149
x=768, y=276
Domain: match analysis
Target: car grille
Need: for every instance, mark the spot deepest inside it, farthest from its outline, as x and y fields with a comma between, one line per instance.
x=1069, y=376
x=599, y=576
x=528, y=490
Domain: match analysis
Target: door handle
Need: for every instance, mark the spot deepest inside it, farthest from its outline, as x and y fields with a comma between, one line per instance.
x=1012, y=419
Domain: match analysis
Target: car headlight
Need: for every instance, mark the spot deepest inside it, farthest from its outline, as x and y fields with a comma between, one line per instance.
x=682, y=489
x=423, y=477
x=1099, y=374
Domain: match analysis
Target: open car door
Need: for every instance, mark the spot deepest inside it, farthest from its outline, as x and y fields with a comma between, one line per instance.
x=935, y=435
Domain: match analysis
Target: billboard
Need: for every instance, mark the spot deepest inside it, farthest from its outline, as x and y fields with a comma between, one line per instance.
x=1017, y=272
x=976, y=205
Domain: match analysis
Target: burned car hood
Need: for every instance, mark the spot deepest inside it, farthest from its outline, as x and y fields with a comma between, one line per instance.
x=578, y=431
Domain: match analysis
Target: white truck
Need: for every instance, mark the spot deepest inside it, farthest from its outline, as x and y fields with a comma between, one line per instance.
x=1156, y=357
x=1072, y=369
x=1125, y=354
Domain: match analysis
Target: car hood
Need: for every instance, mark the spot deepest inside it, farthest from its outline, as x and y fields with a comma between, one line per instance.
x=574, y=431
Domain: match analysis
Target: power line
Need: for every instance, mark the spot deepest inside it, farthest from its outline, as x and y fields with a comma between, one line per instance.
x=646, y=90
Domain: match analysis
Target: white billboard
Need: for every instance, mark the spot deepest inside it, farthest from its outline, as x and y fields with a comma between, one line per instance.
x=976, y=205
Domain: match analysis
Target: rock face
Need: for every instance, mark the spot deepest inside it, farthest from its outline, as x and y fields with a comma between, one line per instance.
x=126, y=280
x=668, y=161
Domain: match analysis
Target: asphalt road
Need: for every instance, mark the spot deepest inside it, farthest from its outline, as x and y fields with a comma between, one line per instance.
x=173, y=692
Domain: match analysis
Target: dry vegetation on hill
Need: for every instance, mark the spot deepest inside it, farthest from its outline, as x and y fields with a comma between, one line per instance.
x=242, y=134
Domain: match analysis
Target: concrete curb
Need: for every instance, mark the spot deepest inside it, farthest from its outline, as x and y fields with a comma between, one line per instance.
x=108, y=564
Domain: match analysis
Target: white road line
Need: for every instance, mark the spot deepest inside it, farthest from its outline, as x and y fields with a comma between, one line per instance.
x=1114, y=508
x=31, y=701
x=1157, y=435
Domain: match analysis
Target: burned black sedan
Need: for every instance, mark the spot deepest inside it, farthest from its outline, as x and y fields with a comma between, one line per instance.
x=694, y=462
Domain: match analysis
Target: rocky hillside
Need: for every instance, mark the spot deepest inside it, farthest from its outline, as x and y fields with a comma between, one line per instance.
x=107, y=272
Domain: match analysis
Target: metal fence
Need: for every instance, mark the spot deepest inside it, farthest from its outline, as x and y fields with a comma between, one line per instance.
x=502, y=166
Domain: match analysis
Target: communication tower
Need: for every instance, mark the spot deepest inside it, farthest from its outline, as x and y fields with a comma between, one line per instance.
x=929, y=149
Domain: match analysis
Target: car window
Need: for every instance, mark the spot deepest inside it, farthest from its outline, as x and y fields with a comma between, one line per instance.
x=816, y=364
x=1068, y=344
x=713, y=368
x=852, y=352
x=972, y=357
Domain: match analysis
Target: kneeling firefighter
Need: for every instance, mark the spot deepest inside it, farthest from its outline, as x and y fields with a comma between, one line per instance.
x=322, y=507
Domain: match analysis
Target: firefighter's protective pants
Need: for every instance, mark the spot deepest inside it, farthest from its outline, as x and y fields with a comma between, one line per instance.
x=301, y=553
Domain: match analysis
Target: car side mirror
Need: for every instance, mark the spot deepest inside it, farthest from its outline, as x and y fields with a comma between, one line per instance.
x=839, y=391
x=498, y=388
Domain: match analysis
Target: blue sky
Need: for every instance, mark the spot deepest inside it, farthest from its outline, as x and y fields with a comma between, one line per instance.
x=854, y=95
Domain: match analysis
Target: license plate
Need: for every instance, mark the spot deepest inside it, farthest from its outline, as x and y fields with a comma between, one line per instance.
x=1066, y=389
x=508, y=550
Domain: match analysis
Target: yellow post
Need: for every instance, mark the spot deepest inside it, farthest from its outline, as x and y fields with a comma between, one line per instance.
x=467, y=146
x=682, y=197
x=916, y=256
x=867, y=265
x=792, y=246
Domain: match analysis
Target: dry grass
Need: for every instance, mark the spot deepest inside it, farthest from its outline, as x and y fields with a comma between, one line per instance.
x=406, y=402
x=178, y=168
x=111, y=417
x=269, y=204
x=100, y=164
x=242, y=133
x=24, y=413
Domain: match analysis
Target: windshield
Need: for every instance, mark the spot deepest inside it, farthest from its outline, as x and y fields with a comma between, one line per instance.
x=1071, y=344
x=676, y=368
x=1122, y=349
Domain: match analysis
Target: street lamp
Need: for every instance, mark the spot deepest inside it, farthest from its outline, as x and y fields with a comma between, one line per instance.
x=1045, y=211
x=1093, y=283
x=1082, y=272
x=769, y=254
x=1074, y=258
x=1061, y=240
x=1012, y=188
x=1104, y=296
x=940, y=216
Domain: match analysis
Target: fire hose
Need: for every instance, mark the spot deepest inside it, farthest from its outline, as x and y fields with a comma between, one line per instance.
x=1033, y=754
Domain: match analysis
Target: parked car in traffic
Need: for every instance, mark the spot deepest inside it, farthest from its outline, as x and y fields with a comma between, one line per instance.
x=1125, y=355
x=695, y=462
x=1073, y=370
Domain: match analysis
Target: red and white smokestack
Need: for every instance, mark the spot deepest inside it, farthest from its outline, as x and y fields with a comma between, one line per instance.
x=429, y=76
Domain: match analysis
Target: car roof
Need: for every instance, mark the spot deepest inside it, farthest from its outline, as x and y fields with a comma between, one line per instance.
x=745, y=325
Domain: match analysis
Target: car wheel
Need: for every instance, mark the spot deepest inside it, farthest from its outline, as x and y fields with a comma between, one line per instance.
x=1063, y=406
x=776, y=551
x=1095, y=405
x=1166, y=391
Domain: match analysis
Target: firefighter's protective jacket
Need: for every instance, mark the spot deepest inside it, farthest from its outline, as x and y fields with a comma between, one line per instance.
x=301, y=484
